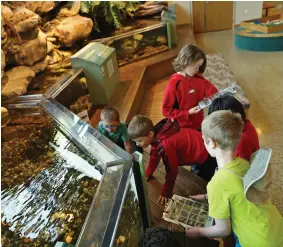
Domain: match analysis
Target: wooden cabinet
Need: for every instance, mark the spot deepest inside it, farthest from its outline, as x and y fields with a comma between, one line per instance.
x=211, y=16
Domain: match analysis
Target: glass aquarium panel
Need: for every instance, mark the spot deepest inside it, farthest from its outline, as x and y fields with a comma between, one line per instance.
x=139, y=44
x=130, y=228
x=73, y=94
x=43, y=81
x=93, y=233
x=81, y=131
x=48, y=182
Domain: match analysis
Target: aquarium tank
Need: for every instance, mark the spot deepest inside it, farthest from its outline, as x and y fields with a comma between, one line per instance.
x=140, y=43
x=72, y=93
x=70, y=90
x=65, y=184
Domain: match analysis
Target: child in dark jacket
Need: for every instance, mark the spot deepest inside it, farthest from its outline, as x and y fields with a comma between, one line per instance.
x=176, y=147
x=249, y=142
x=187, y=88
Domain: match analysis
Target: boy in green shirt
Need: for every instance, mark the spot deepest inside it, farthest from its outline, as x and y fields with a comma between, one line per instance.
x=111, y=127
x=254, y=225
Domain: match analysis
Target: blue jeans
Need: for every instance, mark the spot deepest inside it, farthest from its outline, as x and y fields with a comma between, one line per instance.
x=237, y=241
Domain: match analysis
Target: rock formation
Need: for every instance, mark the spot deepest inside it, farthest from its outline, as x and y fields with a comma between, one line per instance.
x=16, y=82
x=27, y=45
x=64, y=31
x=5, y=117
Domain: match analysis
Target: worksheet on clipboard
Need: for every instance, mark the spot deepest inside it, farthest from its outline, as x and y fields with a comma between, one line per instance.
x=186, y=212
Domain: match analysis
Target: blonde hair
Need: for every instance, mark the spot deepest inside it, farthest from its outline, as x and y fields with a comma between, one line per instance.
x=188, y=55
x=110, y=113
x=224, y=127
x=140, y=126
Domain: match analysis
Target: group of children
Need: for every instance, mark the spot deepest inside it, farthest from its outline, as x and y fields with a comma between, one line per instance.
x=225, y=139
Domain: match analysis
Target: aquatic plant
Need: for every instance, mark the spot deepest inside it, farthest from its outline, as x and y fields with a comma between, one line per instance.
x=113, y=12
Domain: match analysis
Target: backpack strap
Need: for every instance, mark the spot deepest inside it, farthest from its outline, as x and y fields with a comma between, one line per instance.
x=176, y=103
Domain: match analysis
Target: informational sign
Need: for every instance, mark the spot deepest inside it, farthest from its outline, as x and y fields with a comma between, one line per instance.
x=110, y=67
x=102, y=71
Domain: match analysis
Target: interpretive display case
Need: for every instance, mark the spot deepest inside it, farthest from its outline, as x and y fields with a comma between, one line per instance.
x=65, y=183
x=140, y=43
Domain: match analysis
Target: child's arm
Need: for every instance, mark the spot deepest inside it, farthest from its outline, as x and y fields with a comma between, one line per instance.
x=125, y=138
x=169, y=109
x=100, y=127
x=209, y=89
x=200, y=197
x=153, y=162
x=128, y=146
x=171, y=166
x=222, y=228
x=219, y=209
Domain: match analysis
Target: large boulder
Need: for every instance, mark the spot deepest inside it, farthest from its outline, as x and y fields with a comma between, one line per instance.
x=32, y=51
x=5, y=117
x=6, y=12
x=3, y=63
x=40, y=7
x=72, y=29
x=41, y=66
x=24, y=20
x=18, y=79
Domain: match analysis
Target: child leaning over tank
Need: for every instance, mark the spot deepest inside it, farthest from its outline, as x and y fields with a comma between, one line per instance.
x=176, y=146
x=111, y=127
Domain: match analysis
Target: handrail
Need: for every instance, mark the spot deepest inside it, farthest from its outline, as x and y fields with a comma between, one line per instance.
x=124, y=35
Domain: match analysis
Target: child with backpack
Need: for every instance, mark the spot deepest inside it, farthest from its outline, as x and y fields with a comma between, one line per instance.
x=176, y=146
x=254, y=220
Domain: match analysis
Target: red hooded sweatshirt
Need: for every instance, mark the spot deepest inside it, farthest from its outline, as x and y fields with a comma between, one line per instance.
x=249, y=142
x=183, y=93
x=176, y=147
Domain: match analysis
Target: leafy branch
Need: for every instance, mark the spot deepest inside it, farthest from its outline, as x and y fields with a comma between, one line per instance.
x=114, y=12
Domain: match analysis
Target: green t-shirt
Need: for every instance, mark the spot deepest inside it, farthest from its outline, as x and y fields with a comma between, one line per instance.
x=255, y=225
x=120, y=135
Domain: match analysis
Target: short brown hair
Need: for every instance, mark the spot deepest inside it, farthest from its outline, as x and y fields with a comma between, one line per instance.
x=189, y=54
x=140, y=126
x=110, y=113
x=224, y=127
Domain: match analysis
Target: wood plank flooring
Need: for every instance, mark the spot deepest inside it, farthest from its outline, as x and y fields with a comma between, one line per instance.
x=153, y=100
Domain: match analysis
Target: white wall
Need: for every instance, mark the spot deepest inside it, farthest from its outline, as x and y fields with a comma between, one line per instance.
x=246, y=10
x=183, y=12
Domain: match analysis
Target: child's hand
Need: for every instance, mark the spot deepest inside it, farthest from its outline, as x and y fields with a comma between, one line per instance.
x=193, y=232
x=194, y=110
x=149, y=178
x=162, y=200
x=198, y=197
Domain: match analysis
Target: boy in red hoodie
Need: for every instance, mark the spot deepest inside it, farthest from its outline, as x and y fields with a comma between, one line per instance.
x=175, y=146
x=249, y=142
x=187, y=88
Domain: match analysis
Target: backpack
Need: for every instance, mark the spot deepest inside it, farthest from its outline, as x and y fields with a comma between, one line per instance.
x=258, y=177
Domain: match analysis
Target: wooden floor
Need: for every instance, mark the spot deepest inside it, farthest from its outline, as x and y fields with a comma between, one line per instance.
x=153, y=97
